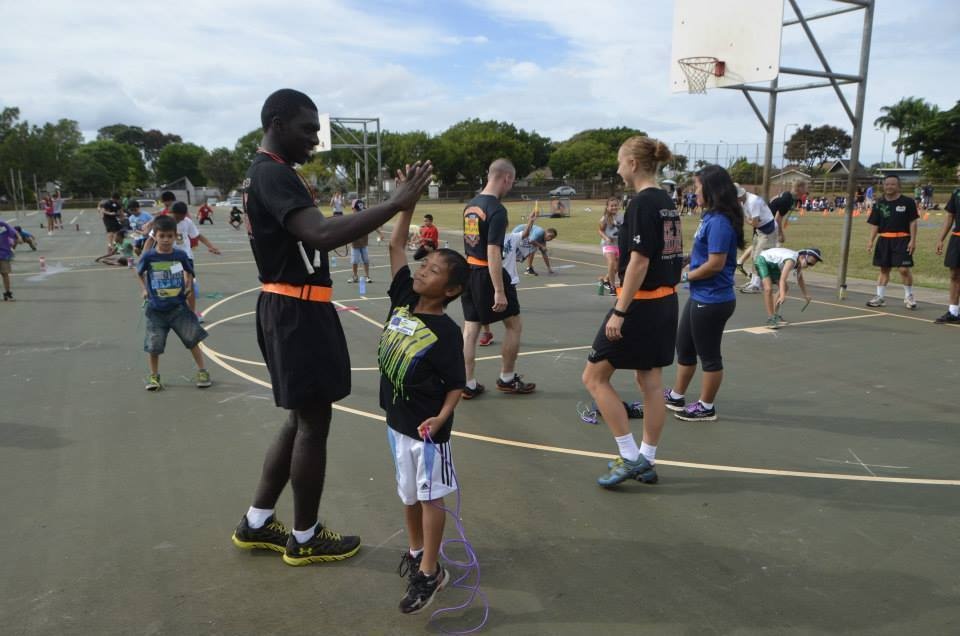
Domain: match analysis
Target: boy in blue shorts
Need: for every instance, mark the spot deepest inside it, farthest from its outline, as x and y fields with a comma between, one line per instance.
x=422, y=376
x=166, y=279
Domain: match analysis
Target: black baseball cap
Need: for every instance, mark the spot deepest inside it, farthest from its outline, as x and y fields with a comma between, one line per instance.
x=811, y=251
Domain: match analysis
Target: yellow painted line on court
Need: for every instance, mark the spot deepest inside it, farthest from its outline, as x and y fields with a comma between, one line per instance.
x=215, y=357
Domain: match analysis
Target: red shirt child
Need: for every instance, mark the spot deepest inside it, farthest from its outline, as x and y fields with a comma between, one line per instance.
x=429, y=234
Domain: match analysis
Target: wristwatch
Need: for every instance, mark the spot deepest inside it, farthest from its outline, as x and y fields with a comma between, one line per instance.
x=618, y=313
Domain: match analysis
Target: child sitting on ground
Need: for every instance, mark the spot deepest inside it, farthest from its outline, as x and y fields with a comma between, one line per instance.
x=166, y=279
x=422, y=373
x=122, y=251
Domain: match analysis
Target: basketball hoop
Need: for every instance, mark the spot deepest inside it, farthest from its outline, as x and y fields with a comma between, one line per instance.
x=698, y=69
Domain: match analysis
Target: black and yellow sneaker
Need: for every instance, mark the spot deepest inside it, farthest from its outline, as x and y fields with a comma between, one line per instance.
x=422, y=590
x=272, y=535
x=324, y=545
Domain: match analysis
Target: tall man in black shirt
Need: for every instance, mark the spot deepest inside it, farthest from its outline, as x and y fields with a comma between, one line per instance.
x=490, y=296
x=894, y=220
x=782, y=205
x=298, y=330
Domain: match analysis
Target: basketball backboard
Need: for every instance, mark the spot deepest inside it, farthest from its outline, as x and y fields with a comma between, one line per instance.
x=743, y=34
x=324, y=134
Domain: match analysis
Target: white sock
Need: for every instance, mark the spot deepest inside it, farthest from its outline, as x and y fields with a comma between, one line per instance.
x=628, y=447
x=707, y=405
x=506, y=377
x=755, y=280
x=954, y=309
x=649, y=452
x=472, y=384
x=674, y=395
x=302, y=536
x=416, y=553
x=256, y=517
x=907, y=290
x=881, y=290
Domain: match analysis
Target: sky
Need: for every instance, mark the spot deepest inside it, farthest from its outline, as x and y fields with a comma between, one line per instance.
x=202, y=69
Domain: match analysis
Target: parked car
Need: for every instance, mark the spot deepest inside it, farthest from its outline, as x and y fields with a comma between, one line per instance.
x=563, y=191
x=147, y=204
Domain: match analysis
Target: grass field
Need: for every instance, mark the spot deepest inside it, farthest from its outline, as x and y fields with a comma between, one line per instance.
x=810, y=230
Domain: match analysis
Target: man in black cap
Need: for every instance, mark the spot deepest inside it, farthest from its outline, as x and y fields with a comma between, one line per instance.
x=297, y=325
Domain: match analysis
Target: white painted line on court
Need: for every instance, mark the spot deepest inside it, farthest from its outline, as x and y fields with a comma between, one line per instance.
x=581, y=453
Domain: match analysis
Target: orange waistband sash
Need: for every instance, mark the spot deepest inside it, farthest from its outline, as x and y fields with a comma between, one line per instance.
x=472, y=260
x=955, y=233
x=894, y=234
x=650, y=294
x=313, y=293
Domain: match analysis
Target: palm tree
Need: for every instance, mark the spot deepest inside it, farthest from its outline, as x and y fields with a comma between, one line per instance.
x=905, y=116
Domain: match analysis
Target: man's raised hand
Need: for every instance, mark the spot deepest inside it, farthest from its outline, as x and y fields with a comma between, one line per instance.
x=411, y=182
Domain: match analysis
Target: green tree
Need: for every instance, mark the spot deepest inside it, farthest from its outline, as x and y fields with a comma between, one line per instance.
x=812, y=146
x=180, y=160
x=906, y=116
x=465, y=150
x=937, y=139
x=154, y=142
x=104, y=166
x=540, y=146
x=745, y=171
x=399, y=149
x=222, y=169
x=583, y=159
x=148, y=142
x=246, y=147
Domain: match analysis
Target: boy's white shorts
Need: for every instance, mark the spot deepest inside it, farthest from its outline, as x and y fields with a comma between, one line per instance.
x=413, y=483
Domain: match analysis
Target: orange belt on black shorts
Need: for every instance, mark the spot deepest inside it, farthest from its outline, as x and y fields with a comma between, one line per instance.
x=894, y=234
x=472, y=260
x=955, y=233
x=313, y=293
x=650, y=294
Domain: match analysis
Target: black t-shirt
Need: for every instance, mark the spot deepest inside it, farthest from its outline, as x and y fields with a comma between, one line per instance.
x=111, y=207
x=953, y=207
x=782, y=204
x=420, y=358
x=651, y=226
x=893, y=216
x=271, y=192
x=484, y=223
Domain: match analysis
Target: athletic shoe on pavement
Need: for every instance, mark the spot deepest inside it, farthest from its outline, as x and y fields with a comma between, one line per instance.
x=468, y=394
x=621, y=470
x=909, y=302
x=153, y=383
x=324, y=545
x=634, y=410
x=272, y=535
x=947, y=318
x=516, y=385
x=674, y=404
x=750, y=289
x=422, y=590
x=772, y=323
x=696, y=412
x=530, y=272
x=7, y=296
x=876, y=301
x=203, y=379
x=486, y=339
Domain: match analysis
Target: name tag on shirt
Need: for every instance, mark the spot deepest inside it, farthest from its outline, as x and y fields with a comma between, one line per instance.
x=404, y=325
x=176, y=268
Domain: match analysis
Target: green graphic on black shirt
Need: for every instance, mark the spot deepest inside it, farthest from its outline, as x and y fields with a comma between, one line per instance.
x=403, y=343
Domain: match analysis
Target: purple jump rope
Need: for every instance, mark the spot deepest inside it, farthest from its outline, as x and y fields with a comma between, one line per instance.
x=471, y=563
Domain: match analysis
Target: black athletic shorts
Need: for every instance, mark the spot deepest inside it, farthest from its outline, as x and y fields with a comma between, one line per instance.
x=649, y=336
x=477, y=298
x=892, y=252
x=952, y=257
x=700, y=333
x=111, y=224
x=303, y=345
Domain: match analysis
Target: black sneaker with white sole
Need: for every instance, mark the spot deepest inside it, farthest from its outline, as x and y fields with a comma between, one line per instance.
x=674, y=404
x=422, y=589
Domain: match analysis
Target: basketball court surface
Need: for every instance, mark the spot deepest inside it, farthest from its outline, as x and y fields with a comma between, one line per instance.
x=823, y=500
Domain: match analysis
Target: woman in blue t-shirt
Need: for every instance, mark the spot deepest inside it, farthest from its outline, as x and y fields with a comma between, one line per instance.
x=712, y=301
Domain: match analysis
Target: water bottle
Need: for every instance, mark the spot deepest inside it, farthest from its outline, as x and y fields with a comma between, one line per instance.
x=43, y=264
x=362, y=286
x=600, y=288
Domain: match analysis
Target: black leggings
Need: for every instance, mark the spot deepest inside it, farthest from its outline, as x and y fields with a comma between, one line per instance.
x=299, y=455
x=700, y=333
